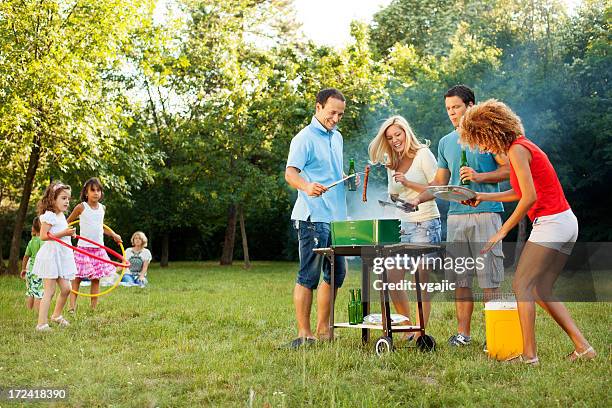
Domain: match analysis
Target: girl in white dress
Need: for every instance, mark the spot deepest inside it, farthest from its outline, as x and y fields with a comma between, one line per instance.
x=54, y=262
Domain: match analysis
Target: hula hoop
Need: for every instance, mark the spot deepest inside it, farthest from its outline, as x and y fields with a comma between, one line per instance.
x=82, y=251
x=124, y=265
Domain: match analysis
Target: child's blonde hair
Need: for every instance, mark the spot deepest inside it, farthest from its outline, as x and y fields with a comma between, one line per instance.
x=47, y=202
x=142, y=237
x=379, y=146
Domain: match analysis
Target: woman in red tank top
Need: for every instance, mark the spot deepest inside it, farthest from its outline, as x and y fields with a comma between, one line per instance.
x=492, y=126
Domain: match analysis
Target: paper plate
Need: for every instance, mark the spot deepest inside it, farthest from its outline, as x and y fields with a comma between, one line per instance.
x=452, y=193
x=376, y=318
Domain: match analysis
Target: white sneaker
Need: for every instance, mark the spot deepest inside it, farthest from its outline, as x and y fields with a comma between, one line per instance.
x=43, y=327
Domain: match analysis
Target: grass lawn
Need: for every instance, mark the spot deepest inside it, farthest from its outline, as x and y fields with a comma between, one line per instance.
x=202, y=335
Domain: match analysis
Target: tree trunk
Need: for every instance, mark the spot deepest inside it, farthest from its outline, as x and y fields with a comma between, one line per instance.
x=230, y=236
x=165, y=250
x=2, y=266
x=520, y=239
x=23, y=205
x=245, y=244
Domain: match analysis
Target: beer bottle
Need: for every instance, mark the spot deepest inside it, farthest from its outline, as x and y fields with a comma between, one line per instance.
x=352, y=183
x=464, y=163
x=359, y=307
x=351, y=308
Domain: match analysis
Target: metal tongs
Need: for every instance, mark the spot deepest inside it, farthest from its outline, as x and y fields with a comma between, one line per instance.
x=399, y=204
x=335, y=183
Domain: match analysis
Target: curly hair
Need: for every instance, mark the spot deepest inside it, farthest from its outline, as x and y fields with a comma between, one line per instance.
x=491, y=125
x=47, y=202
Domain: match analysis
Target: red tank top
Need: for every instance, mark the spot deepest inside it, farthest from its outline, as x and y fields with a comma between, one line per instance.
x=550, y=198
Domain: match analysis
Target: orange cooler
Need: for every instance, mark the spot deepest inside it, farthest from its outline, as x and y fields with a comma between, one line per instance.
x=504, y=336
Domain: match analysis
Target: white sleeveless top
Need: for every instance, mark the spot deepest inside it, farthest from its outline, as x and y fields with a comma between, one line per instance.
x=91, y=225
x=422, y=171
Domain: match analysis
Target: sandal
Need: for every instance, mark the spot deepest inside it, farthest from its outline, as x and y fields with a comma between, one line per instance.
x=60, y=321
x=520, y=359
x=43, y=327
x=587, y=354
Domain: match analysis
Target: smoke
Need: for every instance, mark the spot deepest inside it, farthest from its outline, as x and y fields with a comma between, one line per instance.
x=377, y=190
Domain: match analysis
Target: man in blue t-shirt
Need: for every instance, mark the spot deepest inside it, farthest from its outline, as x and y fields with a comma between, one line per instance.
x=470, y=226
x=315, y=161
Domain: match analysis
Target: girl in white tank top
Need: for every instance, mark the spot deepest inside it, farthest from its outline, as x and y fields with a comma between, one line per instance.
x=90, y=213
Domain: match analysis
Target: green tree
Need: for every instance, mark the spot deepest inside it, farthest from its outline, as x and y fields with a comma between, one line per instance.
x=58, y=114
x=214, y=109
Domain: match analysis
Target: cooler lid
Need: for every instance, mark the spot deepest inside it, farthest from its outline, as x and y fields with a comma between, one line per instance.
x=500, y=305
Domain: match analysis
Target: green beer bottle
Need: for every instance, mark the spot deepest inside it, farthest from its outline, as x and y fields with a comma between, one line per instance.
x=359, y=307
x=464, y=163
x=351, y=308
x=352, y=183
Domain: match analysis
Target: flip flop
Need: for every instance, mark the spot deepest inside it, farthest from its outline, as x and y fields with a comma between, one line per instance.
x=584, y=355
x=520, y=359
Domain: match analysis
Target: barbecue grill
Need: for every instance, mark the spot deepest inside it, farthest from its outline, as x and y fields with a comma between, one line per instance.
x=371, y=239
x=365, y=232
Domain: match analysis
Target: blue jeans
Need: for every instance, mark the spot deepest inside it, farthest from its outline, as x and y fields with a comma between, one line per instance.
x=313, y=235
x=128, y=278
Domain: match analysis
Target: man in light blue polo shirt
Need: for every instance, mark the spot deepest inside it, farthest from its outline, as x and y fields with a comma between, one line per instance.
x=315, y=161
x=465, y=225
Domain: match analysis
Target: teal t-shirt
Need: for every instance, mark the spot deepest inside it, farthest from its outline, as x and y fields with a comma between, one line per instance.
x=449, y=157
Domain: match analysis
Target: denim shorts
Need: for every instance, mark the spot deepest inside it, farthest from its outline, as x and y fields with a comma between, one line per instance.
x=425, y=232
x=313, y=235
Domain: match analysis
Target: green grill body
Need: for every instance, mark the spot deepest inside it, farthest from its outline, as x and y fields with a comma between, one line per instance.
x=365, y=232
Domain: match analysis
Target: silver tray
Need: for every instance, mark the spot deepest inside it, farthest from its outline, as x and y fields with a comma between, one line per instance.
x=452, y=193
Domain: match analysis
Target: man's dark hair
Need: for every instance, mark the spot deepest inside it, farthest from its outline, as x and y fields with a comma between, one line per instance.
x=325, y=94
x=463, y=92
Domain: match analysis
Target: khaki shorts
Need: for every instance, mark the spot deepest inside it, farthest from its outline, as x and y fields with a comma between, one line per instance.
x=466, y=236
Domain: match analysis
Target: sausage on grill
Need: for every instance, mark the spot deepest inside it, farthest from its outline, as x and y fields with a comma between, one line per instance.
x=364, y=198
